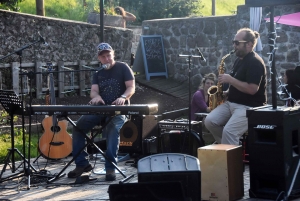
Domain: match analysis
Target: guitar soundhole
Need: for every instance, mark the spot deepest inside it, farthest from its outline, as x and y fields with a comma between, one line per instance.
x=55, y=129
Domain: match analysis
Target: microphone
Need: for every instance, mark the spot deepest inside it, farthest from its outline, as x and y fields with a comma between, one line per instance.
x=103, y=66
x=43, y=40
x=200, y=54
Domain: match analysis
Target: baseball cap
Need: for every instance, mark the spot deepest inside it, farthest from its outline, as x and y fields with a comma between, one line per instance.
x=104, y=47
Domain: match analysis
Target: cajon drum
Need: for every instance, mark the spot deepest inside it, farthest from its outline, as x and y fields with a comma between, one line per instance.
x=221, y=172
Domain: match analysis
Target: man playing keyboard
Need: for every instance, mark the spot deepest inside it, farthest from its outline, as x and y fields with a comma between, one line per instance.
x=113, y=84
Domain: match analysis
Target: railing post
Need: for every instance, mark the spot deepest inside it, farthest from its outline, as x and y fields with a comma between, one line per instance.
x=0, y=80
x=61, y=79
x=15, y=69
x=38, y=79
x=82, y=79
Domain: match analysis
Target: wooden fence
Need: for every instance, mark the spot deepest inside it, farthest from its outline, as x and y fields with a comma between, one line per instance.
x=32, y=77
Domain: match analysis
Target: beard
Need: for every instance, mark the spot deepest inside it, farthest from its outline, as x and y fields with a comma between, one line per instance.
x=241, y=53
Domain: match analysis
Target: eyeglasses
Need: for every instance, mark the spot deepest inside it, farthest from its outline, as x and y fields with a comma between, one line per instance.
x=237, y=42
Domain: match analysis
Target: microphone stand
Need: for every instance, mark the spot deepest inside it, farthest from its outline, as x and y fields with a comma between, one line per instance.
x=19, y=51
x=27, y=171
x=190, y=84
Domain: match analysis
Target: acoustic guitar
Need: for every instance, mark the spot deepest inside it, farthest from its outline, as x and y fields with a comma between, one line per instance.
x=56, y=142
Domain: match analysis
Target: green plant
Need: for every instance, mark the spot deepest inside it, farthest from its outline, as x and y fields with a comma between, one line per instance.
x=10, y=4
x=5, y=118
x=5, y=144
x=78, y=9
x=223, y=7
x=72, y=9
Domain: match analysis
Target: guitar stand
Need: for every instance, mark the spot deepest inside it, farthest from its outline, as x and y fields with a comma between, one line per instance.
x=90, y=141
x=12, y=104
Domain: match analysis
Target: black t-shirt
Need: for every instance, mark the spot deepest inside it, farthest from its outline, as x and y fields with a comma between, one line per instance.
x=111, y=82
x=250, y=69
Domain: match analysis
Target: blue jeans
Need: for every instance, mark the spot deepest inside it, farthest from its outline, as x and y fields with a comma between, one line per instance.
x=112, y=132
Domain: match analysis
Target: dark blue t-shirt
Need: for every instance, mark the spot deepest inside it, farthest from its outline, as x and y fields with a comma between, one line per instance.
x=250, y=69
x=111, y=82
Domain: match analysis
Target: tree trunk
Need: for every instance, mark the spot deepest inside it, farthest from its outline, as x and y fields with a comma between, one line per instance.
x=40, y=10
x=213, y=8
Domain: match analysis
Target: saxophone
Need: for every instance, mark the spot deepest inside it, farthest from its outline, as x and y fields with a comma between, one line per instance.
x=216, y=92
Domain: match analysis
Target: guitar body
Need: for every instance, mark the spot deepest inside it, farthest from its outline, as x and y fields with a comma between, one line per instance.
x=55, y=143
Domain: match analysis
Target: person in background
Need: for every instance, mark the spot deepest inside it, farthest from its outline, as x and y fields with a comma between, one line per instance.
x=127, y=16
x=247, y=80
x=200, y=99
x=292, y=79
x=112, y=85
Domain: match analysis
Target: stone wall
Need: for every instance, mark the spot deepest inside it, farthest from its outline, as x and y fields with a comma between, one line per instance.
x=137, y=32
x=213, y=36
x=68, y=40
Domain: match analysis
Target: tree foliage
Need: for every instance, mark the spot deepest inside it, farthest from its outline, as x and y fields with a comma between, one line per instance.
x=79, y=9
x=143, y=9
x=10, y=4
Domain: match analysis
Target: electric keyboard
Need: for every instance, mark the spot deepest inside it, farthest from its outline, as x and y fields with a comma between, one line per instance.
x=64, y=110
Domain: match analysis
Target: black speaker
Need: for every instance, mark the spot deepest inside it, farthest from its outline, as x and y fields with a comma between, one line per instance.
x=178, y=141
x=172, y=167
x=273, y=138
x=260, y=3
x=135, y=131
x=175, y=138
x=146, y=191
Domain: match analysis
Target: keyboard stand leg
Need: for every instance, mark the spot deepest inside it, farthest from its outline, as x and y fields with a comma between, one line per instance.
x=89, y=141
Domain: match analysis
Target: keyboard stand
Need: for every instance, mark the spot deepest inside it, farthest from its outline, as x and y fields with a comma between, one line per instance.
x=91, y=142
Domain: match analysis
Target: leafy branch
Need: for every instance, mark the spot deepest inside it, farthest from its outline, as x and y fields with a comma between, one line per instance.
x=10, y=4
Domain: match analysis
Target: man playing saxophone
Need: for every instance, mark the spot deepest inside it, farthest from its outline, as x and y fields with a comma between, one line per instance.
x=247, y=80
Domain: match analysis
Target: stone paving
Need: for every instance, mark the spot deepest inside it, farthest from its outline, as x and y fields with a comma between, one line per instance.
x=64, y=188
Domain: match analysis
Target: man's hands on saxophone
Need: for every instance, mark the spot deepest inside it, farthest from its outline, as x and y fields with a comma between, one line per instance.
x=224, y=78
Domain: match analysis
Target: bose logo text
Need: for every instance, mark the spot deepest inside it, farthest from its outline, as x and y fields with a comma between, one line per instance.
x=266, y=126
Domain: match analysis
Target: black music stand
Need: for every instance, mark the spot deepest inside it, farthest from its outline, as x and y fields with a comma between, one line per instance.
x=13, y=105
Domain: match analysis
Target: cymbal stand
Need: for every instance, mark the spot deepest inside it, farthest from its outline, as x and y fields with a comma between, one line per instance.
x=189, y=57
